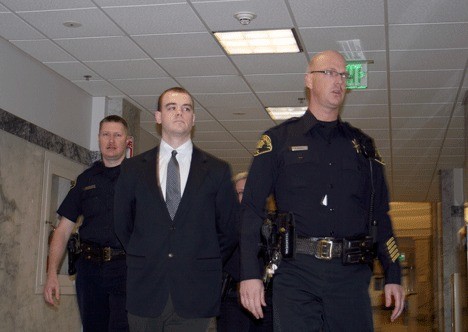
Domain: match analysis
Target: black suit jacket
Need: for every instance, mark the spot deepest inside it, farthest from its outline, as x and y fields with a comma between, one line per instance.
x=182, y=257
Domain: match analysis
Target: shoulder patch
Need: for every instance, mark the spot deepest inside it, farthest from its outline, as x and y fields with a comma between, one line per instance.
x=263, y=145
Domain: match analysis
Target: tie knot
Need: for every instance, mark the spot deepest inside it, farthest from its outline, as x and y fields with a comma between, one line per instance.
x=174, y=153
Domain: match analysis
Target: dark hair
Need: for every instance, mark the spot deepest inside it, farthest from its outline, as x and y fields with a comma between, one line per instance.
x=114, y=118
x=175, y=89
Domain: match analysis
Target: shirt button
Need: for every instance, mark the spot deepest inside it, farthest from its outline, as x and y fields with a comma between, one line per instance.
x=331, y=209
x=329, y=164
x=170, y=255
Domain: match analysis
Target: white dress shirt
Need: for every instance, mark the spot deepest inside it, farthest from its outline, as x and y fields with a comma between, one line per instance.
x=184, y=158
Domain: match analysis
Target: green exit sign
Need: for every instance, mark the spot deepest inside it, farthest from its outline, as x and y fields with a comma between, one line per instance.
x=357, y=75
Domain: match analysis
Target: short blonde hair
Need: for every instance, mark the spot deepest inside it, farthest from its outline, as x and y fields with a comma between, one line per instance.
x=240, y=176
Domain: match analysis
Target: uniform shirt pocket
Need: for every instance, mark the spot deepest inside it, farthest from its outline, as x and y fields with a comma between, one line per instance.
x=90, y=202
x=354, y=175
x=299, y=168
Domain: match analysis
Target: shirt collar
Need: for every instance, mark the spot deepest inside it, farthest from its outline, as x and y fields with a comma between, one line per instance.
x=183, y=150
x=309, y=121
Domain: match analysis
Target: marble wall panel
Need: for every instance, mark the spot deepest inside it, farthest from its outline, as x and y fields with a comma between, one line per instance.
x=21, y=176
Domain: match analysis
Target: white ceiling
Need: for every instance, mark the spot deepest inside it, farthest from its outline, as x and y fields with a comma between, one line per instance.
x=138, y=48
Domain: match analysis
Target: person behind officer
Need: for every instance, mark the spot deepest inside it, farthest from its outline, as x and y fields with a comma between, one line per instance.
x=174, y=251
x=233, y=317
x=323, y=171
x=101, y=269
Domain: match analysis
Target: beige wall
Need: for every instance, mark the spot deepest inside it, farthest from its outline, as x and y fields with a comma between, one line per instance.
x=21, y=178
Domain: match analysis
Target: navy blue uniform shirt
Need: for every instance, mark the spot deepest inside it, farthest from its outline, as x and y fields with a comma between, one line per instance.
x=318, y=171
x=93, y=197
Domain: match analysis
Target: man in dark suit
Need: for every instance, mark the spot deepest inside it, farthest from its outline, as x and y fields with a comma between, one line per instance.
x=175, y=251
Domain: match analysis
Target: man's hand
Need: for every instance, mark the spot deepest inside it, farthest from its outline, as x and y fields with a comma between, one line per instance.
x=57, y=248
x=252, y=296
x=52, y=289
x=396, y=292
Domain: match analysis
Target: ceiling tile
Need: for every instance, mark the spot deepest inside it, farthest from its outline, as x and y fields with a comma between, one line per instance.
x=13, y=28
x=207, y=126
x=428, y=36
x=125, y=69
x=272, y=83
x=239, y=113
x=72, y=70
x=103, y=48
x=324, y=13
x=421, y=110
x=271, y=63
x=248, y=125
x=369, y=38
x=419, y=133
x=94, y=23
x=426, y=79
x=125, y=3
x=43, y=50
x=422, y=11
x=228, y=100
x=156, y=19
x=28, y=5
x=368, y=96
x=214, y=84
x=219, y=16
x=148, y=101
x=198, y=66
x=184, y=45
x=147, y=86
x=350, y=112
x=214, y=135
x=281, y=99
x=428, y=59
x=99, y=88
x=440, y=95
x=420, y=123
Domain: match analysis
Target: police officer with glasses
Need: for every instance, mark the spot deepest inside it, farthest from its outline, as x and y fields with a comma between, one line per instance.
x=329, y=177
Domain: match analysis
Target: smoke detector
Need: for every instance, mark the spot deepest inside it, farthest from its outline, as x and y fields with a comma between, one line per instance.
x=244, y=18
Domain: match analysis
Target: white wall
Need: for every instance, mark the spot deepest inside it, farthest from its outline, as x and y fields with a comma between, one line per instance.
x=33, y=92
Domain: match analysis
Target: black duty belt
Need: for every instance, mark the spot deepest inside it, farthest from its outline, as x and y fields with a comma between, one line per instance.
x=321, y=248
x=91, y=251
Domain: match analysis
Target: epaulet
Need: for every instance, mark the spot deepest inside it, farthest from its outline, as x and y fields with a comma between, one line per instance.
x=290, y=120
x=363, y=143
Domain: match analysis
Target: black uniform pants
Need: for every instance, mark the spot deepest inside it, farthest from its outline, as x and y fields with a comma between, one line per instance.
x=319, y=295
x=101, y=295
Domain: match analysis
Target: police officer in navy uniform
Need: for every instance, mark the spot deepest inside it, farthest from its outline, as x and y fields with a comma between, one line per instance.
x=234, y=317
x=101, y=268
x=330, y=177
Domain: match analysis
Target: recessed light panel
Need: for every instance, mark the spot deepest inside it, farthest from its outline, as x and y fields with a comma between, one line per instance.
x=258, y=42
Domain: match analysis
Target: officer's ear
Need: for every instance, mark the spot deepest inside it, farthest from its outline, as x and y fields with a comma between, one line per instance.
x=308, y=81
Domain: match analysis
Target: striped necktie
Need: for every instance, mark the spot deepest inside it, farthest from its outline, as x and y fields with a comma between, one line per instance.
x=173, y=185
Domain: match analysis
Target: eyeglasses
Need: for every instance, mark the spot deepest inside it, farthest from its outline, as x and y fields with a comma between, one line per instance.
x=331, y=73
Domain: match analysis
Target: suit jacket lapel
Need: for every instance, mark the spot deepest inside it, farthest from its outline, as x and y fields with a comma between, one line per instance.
x=197, y=173
x=150, y=172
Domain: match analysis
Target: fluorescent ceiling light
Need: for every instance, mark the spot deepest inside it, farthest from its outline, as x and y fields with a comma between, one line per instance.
x=284, y=113
x=257, y=42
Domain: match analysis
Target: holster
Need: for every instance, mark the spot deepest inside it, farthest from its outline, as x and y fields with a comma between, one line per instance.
x=279, y=234
x=359, y=250
x=74, y=250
